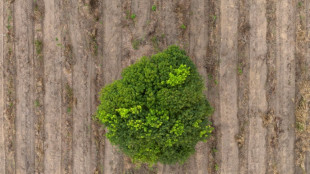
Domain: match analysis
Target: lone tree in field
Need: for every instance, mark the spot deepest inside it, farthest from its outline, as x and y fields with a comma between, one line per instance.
x=157, y=112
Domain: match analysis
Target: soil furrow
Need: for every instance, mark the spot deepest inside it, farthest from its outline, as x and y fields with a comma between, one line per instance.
x=142, y=10
x=56, y=55
x=98, y=84
x=302, y=128
x=2, y=141
x=113, y=162
x=92, y=16
x=95, y=34
x=135, y=35
x=270, y=121
x=38, y=63
x=67, y=114
x=307, y=162
x=307, y=45
x=82, y=127
x=92, y=109
x=198, y=39
x=213, y=14
x=183, y=13
x=257, y=93
x=9, y=87
x=228, y=88
x=169, y=21
x=52, y=82
x=307, y=23
x=243, y=70
x=136, y=32
x=285, y=65
x=67, y=91
x=24, y=87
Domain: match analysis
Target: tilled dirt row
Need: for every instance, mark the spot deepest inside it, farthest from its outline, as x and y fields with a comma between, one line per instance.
x=56, y=55
x=2, y=146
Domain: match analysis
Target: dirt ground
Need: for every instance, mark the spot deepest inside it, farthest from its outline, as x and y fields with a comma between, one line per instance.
x=56, y=55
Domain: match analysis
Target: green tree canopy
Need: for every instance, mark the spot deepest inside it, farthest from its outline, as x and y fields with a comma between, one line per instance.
x=157, y=112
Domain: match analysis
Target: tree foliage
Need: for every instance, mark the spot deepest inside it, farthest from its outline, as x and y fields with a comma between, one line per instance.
x=157, y=112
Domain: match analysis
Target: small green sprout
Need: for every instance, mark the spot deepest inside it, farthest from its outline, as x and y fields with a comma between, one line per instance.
x=216, y=82
x=154, y=7
x=214, y=17
x=38, y=45
x=37, y=103
x=69, y=109
x=240, y=71
x=216, y=167
x=135, y=44
x=133, y=16
x=214, y=150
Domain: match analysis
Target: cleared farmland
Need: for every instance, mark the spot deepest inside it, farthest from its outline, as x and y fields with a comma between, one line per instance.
x=56, y=55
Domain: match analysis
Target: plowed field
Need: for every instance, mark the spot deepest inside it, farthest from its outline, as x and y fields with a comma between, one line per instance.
x=56, y=55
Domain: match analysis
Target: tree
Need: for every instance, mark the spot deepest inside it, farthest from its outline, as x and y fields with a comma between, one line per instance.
x=157, y=112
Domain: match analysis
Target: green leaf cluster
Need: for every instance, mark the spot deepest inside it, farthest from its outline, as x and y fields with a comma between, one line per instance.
x=157, y=112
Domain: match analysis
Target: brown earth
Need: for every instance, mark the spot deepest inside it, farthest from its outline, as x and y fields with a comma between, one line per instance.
x=56, y=55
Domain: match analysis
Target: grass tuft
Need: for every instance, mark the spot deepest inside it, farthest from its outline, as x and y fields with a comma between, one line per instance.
x=153, y=7
x=183, y=27
x=136, y=43
x=39, y=46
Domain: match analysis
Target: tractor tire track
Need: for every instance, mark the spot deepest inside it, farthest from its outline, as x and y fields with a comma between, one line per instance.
x=198, y=37
x=52, y=82
x=113, y=162
x=257, y=93
x=24, y=86
x=228, y=88
x=83, y=143
x=285, y=65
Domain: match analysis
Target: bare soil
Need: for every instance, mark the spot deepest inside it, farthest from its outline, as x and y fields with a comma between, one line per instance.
x=56, y=55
